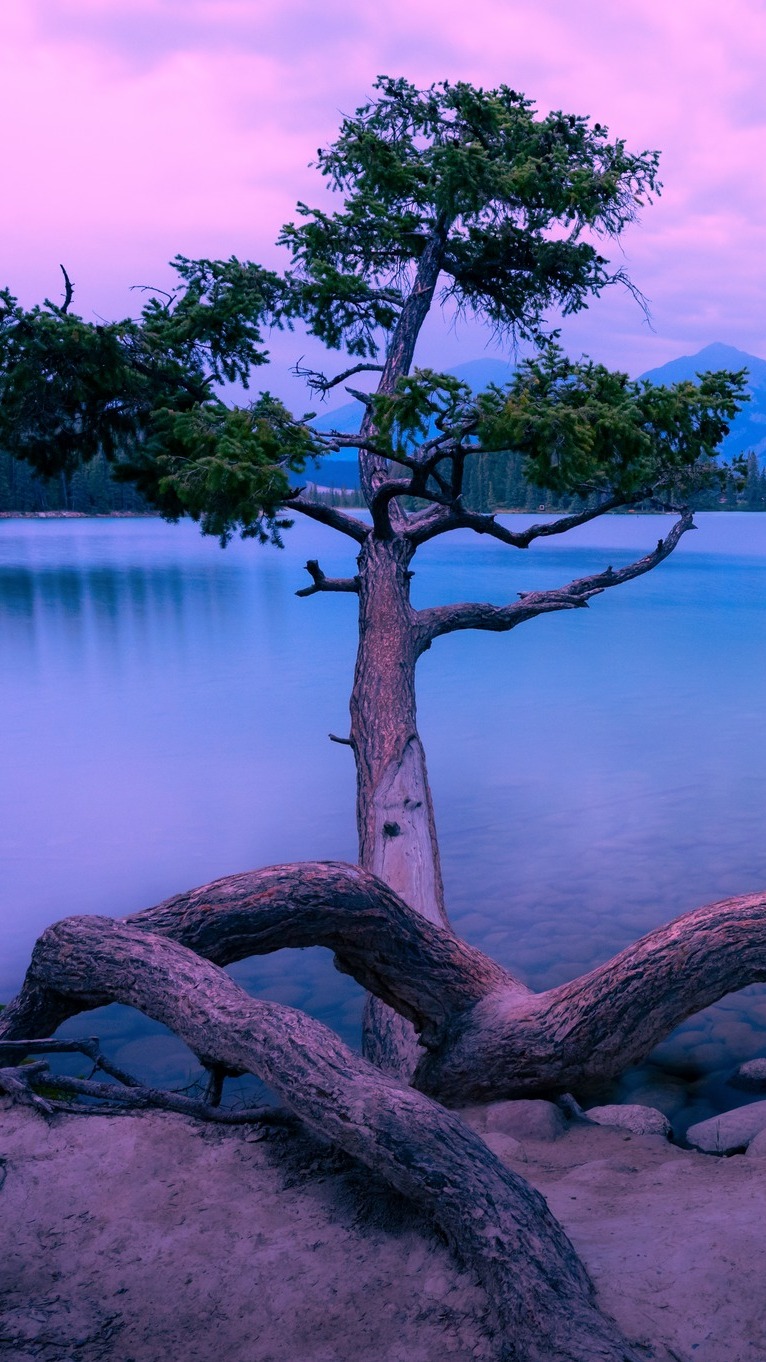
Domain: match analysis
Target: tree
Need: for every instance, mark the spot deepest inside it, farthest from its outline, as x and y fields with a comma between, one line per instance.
x=469, y=195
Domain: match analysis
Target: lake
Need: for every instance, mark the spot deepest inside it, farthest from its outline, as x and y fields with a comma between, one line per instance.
x=165, y=709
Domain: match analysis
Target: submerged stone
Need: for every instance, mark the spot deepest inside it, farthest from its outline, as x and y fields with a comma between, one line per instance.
x=751, y=1076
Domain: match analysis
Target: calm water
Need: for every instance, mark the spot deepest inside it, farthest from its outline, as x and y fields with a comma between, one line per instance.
x=164, y=708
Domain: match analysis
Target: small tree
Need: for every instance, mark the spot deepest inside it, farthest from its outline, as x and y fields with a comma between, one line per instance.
x=466, y=197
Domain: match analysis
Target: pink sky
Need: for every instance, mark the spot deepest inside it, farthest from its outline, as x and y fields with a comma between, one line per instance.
x=137, y=130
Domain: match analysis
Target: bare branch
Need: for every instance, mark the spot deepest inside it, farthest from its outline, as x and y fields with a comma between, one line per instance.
x=84, y=1045
x=20, y=1085
x=459, y=518
x=382, y=497
x=150, y=288
x=15, y=1083
x=446, y=619
x=328, y=515
x=319, y=383
x=68, y=290
x=339, y=439
x=322, y=583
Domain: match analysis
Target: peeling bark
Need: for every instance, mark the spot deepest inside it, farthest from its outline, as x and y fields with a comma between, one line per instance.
x=395, y=816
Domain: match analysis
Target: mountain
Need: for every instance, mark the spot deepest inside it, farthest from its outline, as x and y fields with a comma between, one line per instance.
x=748, y=430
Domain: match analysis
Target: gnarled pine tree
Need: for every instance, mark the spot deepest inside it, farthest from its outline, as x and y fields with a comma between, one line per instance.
x=464, y=197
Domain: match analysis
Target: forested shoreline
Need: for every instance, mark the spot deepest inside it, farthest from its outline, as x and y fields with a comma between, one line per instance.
x=493, y=482
x=90, y=490
x=496, y=482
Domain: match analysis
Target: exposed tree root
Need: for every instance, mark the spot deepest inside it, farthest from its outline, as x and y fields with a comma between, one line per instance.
x=423, y=971
x=497, y=1224
x=486, y=1035
x=585, y=1032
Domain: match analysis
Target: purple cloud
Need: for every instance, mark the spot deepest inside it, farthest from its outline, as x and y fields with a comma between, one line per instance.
x=145, y=128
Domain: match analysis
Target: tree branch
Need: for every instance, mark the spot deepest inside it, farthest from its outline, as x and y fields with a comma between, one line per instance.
x=21, y=1084
x=459, y=518
x=319, y=383
x=329, y=515
x=446, y=619
x=322, y=583
x=68, y=291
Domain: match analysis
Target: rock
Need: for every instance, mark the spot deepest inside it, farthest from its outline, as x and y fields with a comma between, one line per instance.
x=526, y=1119
x=507, y=1149
x=730, y=1131
x=639, y=1120
x=751, y=1076
x=757, y=1147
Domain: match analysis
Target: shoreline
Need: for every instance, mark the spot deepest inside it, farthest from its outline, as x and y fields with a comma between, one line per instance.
x=80, y=515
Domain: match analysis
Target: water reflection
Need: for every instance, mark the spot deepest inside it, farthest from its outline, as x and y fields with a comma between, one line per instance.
x=164, y=710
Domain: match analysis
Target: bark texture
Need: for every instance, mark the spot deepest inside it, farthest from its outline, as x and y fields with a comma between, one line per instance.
x=497, y=1224
x=395, y=816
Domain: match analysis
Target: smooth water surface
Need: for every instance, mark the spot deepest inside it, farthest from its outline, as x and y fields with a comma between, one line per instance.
x=165, y=707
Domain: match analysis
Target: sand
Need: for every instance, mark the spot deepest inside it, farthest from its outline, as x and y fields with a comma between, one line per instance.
x=142, y=1237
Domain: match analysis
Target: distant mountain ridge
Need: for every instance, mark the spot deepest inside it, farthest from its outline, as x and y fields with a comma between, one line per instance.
x=748, y=430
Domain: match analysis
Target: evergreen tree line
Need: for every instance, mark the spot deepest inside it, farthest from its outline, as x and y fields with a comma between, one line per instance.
x=496, y=482
x=90, y=490
x=493, y=482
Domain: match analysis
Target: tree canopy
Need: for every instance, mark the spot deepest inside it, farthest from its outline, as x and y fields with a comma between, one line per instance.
x=452, y=192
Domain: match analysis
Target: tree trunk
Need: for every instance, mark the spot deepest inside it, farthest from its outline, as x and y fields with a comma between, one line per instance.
x=395, y=817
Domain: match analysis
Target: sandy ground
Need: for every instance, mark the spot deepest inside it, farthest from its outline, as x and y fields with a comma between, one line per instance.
x=143, y=1237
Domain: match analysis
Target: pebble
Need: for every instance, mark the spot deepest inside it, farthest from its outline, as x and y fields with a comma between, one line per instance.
x=639, y=1120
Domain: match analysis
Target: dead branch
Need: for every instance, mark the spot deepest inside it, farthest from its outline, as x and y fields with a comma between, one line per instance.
x=319, y=383
x=446, y=619
x=20, y=1085
x=68, y=291
x=322, y=583
x=328, y=515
